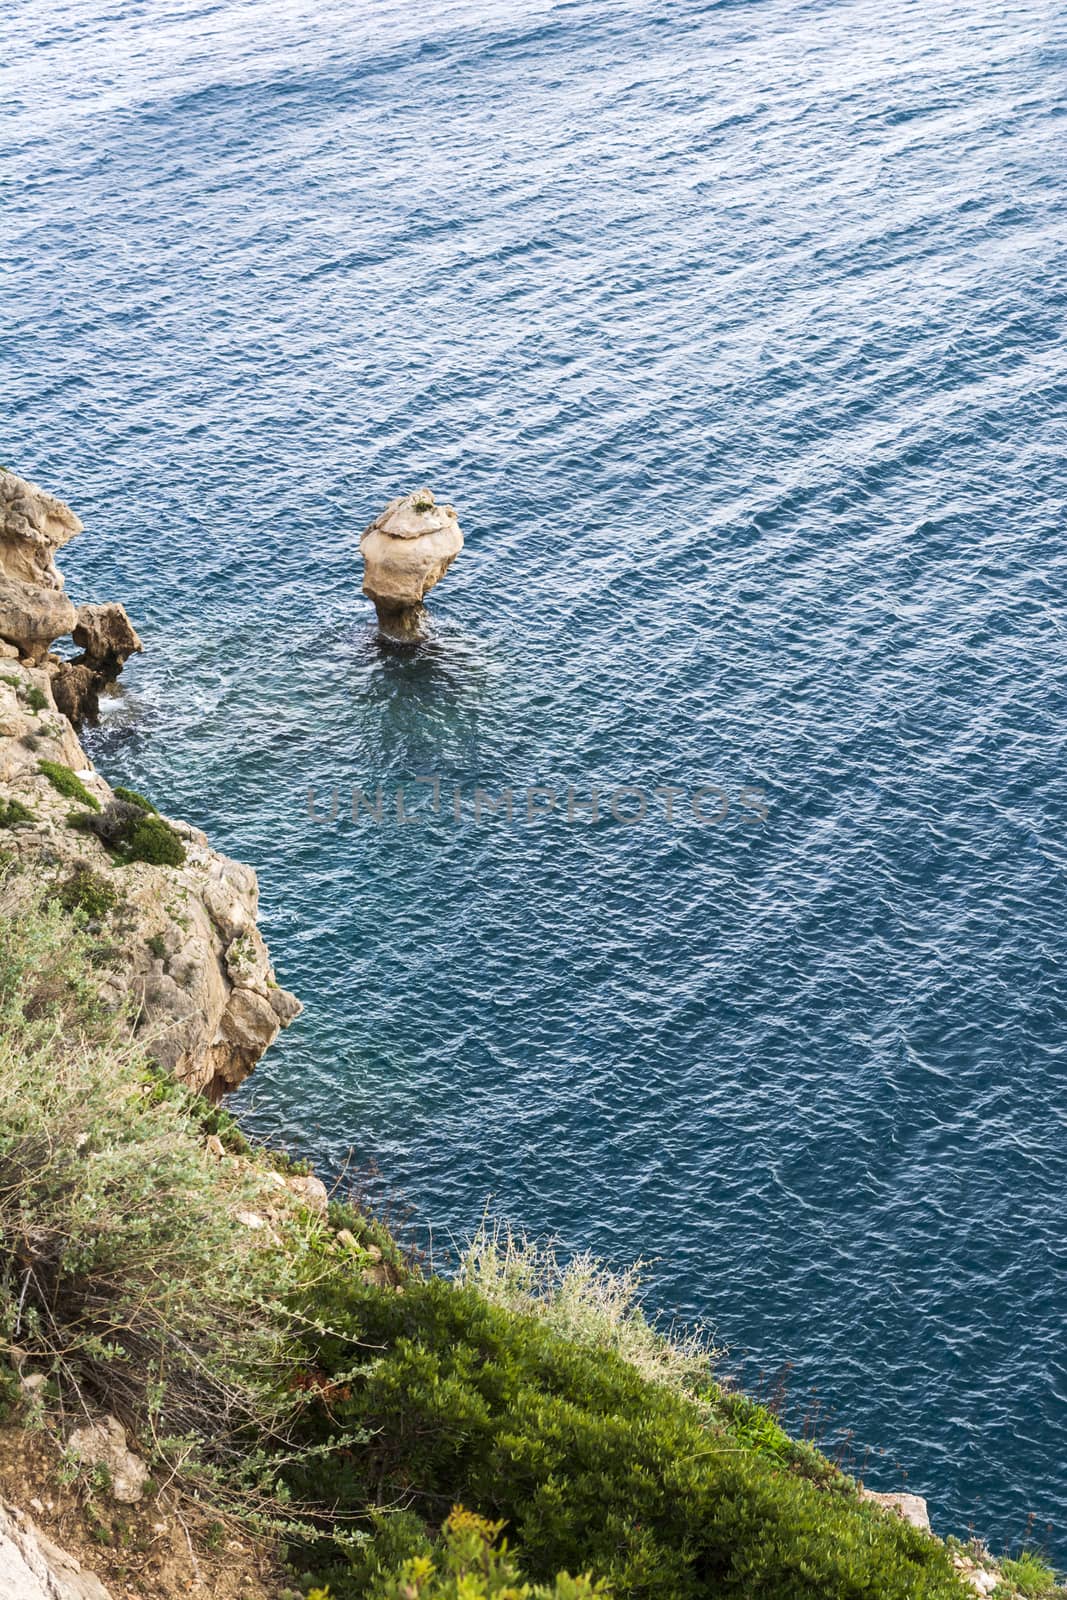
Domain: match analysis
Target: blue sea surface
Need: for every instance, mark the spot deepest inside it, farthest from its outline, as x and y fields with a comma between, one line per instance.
x=735, y=334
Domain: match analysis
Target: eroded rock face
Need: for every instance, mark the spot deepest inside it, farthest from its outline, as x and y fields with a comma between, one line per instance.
x=106, y=637
x=407, y=550
x=34, y=611
x=33, y=526
x=179, y=946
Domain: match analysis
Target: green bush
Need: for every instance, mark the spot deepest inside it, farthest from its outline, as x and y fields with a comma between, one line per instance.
x=155, y=841
x=467, y=1564
x=133, y=834
x=87, y=892
x=132, y=798
x=590, y=1465
x=67, y=783
x=35, y=698
x=12, y=812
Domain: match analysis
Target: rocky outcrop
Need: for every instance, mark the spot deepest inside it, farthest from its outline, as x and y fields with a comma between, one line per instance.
x=33, y=526
x=33, y=1568
x=34, y=611
x=407, y=550
x=909, y=1507
x=176, y=927
x=107, y=639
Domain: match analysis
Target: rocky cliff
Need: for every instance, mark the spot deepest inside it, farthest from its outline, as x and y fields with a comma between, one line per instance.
x=176, y=921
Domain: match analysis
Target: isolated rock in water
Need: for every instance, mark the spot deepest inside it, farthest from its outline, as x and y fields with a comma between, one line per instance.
x=405, y=552
x=33, y=1568
x=106, y=637
x=103, y=1444
x=910, y=1507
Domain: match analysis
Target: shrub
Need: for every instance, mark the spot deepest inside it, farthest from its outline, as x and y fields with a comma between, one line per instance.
x=589, y=1465
x=154, y=841
x=12, y=812
x=35, y=698
x=467, y=1564
x=132, y=834
x=123, y=1268
x=132, y=798
x=67, y=783
x=87, y=892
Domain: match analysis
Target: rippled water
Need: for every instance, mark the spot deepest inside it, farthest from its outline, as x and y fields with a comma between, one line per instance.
x=733, y=333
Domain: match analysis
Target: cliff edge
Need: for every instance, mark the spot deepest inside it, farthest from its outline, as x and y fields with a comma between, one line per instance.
x=175, y=919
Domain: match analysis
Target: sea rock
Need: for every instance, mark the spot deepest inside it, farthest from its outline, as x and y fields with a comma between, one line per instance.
x=103, y=1444
x=406, y=550
x=76, y=690
x=909, y=1507
x=33, y=1568
x=106, y=637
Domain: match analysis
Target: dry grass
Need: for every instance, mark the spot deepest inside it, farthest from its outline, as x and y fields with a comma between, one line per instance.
x=584, y=1300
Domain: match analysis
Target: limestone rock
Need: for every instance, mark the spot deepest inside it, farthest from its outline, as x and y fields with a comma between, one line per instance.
x=983, y=1580
x=181, y=947
x=34, y=611
x=32, y=616
x=33, y=526
x=33, y=1568
x=76, y=690
x=106, y=637
x=103, y=1444
x=311, y=1191
x=406, y=550
x=909, y=1507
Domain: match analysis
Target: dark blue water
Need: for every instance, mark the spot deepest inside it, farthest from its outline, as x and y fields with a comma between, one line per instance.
x=734, y=333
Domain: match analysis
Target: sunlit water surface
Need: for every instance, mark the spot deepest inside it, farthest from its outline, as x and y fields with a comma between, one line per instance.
x=733, y=331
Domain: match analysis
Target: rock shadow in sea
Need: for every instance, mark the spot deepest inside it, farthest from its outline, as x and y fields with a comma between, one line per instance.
x=426, y=697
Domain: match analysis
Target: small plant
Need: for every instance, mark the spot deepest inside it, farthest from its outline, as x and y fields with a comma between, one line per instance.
x=132, y=798
x=469, y=1564
x=12, y=812
x=86, y=891
x=35, y=698
x=30, y=741
x=158, y=945
x=67, y=783
x=423, y=505
x=1031, y=1576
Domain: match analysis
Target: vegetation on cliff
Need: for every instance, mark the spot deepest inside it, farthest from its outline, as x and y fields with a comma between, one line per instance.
x=279, y=1361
